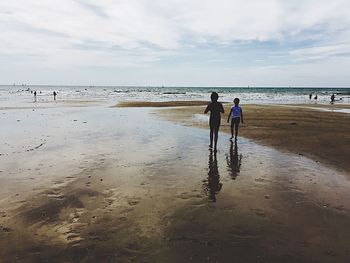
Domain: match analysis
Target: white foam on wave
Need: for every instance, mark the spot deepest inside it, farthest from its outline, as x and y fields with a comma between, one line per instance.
x=330, y=110
x=21, y=94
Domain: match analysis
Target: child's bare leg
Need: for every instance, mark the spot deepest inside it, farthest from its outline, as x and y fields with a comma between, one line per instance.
x=232, y=124
x=211, y=137
x=236, y=131
x=216, y=131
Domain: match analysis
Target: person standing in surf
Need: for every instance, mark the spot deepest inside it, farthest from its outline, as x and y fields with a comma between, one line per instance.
x=215, y=109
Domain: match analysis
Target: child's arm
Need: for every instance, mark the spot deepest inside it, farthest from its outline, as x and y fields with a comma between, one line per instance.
x=242, y=115
x=222, y=108
x=228, y=119
x=207, y=108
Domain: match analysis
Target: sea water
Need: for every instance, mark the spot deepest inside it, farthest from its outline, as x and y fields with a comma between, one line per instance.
x=11, y=94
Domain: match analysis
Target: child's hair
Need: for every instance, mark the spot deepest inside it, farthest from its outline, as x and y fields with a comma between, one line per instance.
x=214, y=97
x=236, y=101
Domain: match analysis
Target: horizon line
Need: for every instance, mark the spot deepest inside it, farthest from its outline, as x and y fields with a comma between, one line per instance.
x=162, y=86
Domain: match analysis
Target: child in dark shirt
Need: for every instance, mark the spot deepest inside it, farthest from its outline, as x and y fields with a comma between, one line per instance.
x=215, y=109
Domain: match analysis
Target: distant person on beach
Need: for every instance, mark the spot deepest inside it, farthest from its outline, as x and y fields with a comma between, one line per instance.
x=332, y=98
x=310, y=96
x=34, y=96
x=215, y=109
x=236, y=115
x=54, y=95
x=315, y=98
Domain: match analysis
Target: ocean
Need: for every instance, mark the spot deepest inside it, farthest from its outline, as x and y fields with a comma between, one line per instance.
x=21, y=94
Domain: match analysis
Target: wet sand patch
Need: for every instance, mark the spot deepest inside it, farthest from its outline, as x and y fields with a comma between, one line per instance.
x=155, y=201
x=322, y=136
x=159, y=104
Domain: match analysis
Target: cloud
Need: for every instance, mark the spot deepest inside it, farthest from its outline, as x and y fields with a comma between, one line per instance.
x=93, y=8
x=321, y=52
x=134, y=33
x=165, y=24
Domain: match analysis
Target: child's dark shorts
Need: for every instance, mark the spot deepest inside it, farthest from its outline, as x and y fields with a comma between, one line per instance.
x=236, y=120
x=214, y=123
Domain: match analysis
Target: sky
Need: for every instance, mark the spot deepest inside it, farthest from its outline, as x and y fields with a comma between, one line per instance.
x=175, y=42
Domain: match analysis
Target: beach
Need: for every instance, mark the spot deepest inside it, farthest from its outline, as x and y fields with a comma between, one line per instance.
x=321, y=132
x=90, y=182
x=116, y=143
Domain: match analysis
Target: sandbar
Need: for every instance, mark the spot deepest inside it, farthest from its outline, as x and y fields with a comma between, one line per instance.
x=321, y=135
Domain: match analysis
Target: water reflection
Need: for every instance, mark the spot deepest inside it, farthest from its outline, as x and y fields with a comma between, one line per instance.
x=212, y=185
x=234, y=161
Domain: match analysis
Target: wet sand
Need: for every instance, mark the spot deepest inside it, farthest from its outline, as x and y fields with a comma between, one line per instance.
x=53, y=104
x=159, y=104
x=122, y=184
x=301, y=129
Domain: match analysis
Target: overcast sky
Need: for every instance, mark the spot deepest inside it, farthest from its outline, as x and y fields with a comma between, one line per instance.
x=175, y=42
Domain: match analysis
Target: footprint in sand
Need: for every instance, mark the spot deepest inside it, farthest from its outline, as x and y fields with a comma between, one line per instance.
x=133, y=201
x=5, y=229
x=259, y=212
x=73, y=237
x=109, y=201
x=261, y=180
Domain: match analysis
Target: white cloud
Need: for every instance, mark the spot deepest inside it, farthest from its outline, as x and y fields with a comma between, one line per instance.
x=165, y=24
x=119, y=33
x=321, y=52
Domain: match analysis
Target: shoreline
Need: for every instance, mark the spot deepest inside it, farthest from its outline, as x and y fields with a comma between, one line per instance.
x=182, y=103
x=159, y=104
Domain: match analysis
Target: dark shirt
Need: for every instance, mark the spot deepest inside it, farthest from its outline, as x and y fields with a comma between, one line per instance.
x=215, y=109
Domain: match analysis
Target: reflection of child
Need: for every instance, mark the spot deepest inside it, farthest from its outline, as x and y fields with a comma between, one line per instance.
x=234, y=161
x=215, y=109
x=213, y=185
x=237, y=116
